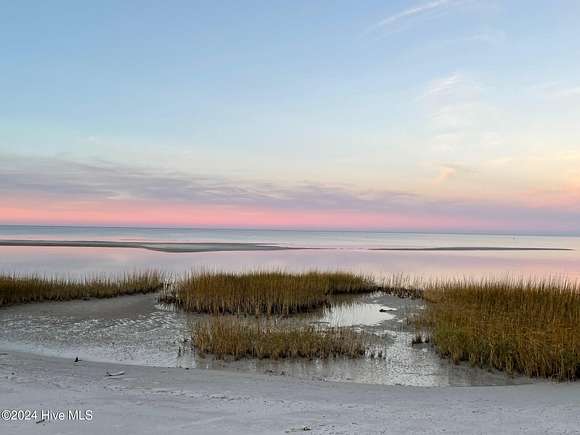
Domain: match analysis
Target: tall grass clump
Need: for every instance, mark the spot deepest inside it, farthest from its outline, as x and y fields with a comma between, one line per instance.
x=530, y=327
x=16, y=289
x=257, y=293
x=403, y=286
x=236, y=338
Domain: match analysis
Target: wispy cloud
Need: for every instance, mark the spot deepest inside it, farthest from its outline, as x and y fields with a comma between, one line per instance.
x=459, y=113
x=556, y=90
x=103, y=181
x=573, y=91
x=453, y=102
x=449, y=171
x=456, y=85
x=445, y=173
x=422, y=9
x=488, y=37
x=437, y=87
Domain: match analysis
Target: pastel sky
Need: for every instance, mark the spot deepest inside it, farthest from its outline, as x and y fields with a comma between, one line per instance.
x=429, y=115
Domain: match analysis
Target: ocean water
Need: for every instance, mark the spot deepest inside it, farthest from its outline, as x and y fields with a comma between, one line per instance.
x=345, y=250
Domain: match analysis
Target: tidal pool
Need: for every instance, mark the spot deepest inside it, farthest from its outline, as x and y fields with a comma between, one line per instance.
x=138, y=330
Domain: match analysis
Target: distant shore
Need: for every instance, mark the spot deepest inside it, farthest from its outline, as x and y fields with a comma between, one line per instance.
x=473, y=248
x=191, y=247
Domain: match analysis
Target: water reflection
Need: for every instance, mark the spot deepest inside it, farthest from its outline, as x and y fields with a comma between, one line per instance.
x=355, y=314
x=80, y=261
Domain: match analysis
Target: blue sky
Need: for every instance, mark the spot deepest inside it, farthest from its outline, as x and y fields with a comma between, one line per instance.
x=468, y=107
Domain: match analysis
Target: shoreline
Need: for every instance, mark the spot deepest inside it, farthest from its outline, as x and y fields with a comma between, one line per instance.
x=153, y=400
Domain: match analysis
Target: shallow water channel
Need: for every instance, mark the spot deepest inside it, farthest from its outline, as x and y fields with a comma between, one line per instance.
x=138, y=330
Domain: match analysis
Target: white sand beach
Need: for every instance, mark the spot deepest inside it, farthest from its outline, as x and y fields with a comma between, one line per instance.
x=153, y=400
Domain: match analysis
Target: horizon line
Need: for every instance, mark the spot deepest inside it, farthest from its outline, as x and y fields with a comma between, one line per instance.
x=290, y=229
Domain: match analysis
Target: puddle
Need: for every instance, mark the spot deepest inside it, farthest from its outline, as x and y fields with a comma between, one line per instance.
x=137, y=330
x=356, y=314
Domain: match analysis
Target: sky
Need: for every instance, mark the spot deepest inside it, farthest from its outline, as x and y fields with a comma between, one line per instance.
x=428, y=115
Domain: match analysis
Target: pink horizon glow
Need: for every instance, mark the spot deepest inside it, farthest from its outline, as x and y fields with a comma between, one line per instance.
x=159, y=213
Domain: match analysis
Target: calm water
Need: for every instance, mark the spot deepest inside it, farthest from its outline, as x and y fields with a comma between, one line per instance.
x=294, y=238
x=343, y=250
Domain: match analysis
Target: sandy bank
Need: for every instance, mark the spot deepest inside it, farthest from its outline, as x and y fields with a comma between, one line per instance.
x=149, y=400
x=152, y=246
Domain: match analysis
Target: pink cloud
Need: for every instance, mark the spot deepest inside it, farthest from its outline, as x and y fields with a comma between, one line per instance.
x=49, y=191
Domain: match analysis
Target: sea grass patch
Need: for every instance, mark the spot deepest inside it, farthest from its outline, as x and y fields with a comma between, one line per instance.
x=15, y=289
x=234, y=337
x=262, y=293
x=531, y=327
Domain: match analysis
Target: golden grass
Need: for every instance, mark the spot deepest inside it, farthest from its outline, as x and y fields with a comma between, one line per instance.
x=524, y=326
x=266, y=293
x=235, y=337
x=23, y=289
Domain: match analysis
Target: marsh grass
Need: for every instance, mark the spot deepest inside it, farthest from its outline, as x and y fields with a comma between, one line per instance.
x=262, y=293
x=403, y=286
x=233, y=337
x=530, y=327
x=16, y=289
